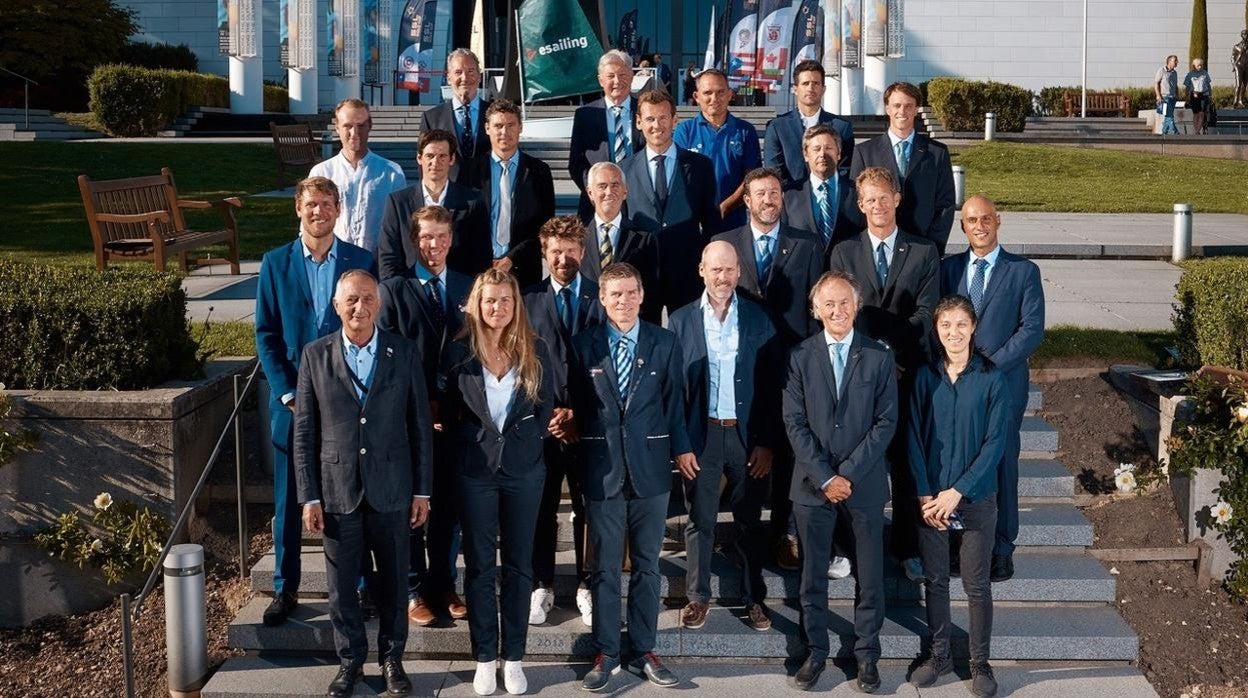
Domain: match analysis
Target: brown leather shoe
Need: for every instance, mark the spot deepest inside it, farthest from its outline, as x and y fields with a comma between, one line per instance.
x=758, y=618
x=419, y=613
x=455, y=606
x=786, y=554
x=693, y=615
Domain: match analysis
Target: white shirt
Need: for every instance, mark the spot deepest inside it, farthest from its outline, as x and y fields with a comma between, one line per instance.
x=991, y=258
x=891, y=241
x=363, y=190
x=614, y=234
x=808, y=121
x=722, y=341
x=499, y=394
x=430, y=199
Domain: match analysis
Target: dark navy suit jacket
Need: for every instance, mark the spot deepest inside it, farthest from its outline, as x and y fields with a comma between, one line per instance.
x=927, y=195
x=590, y=142
x=443, y=117
x=471, y=252
x=799, y=212
x=543, y=312
x=532, y=204
x=844, y=435
x=636, y=245
x=782, y=145
x=406, y=310
x=797, y=263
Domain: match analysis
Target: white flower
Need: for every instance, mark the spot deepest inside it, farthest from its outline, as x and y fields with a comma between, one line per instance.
x=1124, y=468
x=1240, y=413
x=1125, y=481
x=97, y=545
x=1221, y=512
x=1, y=386
x=103, y=500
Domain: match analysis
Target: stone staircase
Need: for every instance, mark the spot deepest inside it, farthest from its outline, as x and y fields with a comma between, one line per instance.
x=43, y=127
x=1057, y=608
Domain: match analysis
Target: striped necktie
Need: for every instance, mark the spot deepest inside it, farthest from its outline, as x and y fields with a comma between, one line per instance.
x=605, y=251
x=621, y=135
x=825, y=213
x=623, y=365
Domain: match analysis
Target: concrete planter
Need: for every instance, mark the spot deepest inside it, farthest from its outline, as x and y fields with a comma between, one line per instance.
x=148, y=446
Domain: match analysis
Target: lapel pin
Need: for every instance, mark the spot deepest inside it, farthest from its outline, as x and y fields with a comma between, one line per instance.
x=389, y=352
x=640, y=362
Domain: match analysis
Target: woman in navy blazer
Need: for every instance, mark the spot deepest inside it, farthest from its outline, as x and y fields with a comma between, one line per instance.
x=959, y=414
x=499, y=399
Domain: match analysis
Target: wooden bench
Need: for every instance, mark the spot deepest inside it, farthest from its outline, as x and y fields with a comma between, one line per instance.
x=141, y=218
x=1108, y=103
x=297, y=149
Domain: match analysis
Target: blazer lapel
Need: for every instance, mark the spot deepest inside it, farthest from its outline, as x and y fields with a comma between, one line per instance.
x=300, y=278
x=900, y=255
x=341, y=369
x=868, y=257
x=585, y=301
x=749, y=265
x=474, y=394
x=383, y=365
x=640, y=356
x=961, y=288
x=825, y=365
x=995, y=280
x=606, y=364
x=786, y=247
x=851, y=364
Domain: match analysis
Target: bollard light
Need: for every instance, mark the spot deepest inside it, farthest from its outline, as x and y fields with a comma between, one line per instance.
x=1182, y=232
x=186, y=636
x=990, y=126
x=959, y=186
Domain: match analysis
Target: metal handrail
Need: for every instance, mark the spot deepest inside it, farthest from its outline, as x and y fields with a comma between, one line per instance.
x=25, y=91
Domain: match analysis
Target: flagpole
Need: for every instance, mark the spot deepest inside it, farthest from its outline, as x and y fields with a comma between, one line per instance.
x=520, y=64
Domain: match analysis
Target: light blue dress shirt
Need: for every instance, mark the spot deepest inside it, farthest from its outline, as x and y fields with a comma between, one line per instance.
x=500, y=393
x=891, y=241
x=574, y=287
x=474, y=110
x=496, y=171
x=361, y=361
x=424, y=276
x=722, y=343
x=670, y=155
x=991, y=258
x=613, y=337
x=320, y=278
x=847, y=341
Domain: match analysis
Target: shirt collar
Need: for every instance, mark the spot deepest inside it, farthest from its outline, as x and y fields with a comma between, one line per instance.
x=364, y=161
x=472, y=104
x=670, y=153
x=307, y=253
x=991, y=257
x=424, y=275
x=429, y=198
x=891, y=240
x=574, y=287
x=849, y=338
x=708, y=309
x=625, y=104
x=614, y=334
x=816, y=180
x=774, y=233
x=511, y=160
x=894, y=140
x=371, y=347
x=615, y=222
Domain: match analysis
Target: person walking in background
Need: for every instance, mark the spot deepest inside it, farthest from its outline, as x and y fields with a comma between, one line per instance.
x=1199, y=91
x=691, y=83
x=1166, y=89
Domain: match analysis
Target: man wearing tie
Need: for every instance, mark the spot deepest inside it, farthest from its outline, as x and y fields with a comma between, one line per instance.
x=673, y=192
x=425, y=305
x=823, y=204
x=921, y=165
x=463, y=115
x=604, y=130
x=1008, y=297
x=783, y=143
x=731, y=144
x=626, y=385
x=612, y=236
x=840, y=411
x=362, y=462
x=519, y=195
x=293, y=308
x=899, y=287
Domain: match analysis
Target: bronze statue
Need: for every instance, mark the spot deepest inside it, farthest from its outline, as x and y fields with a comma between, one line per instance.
x=1239, y=64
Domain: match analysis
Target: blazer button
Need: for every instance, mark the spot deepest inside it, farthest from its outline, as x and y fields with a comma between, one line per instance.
x=363, y=420
x=363, y=451
x=836, y=426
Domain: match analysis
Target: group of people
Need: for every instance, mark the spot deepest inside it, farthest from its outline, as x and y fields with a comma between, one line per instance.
x=1199, y=87
x=443, y=355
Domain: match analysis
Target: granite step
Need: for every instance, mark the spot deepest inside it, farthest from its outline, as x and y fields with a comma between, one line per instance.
x=1019, y=633
x=1037, y=435
x=1044, y=477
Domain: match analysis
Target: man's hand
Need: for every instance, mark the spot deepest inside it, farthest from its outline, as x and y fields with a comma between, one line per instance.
x=838, y=490
x=688, y=464
x=313, y=518
x=420, y=511
x=563, y=426
x=759, y=462
x=941, y=506
x=923, y=501
x=291, y=405
x=503, y=264
x=433, y=415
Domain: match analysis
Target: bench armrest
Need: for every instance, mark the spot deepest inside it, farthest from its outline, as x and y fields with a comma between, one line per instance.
x=149, y=217
x=218, y=203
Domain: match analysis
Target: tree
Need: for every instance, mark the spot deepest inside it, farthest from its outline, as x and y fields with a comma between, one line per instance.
x=1198, y=44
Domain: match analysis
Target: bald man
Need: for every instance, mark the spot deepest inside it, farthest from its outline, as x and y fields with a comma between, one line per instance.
x=1009, y=303
x=732, y=360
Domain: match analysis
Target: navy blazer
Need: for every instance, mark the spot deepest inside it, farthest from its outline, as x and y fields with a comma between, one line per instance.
x=532, y=204
x=640, y=435
x=406, y=311
x=927, y=196
x=957, y=432
x=797, y=263
x=543, y=312
x=348, y=450
x=900, y=313
x=443, y=117
x=799, y=212
x=844, y=435
x=1011, y=322
x=758, y=373
x=782, y=145
x=590, y=142
x=284, y=315
x=481, y=449
x=636, y=245
x=471, y=252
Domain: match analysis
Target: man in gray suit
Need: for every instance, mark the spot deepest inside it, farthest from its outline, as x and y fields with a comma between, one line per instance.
x=363, y=463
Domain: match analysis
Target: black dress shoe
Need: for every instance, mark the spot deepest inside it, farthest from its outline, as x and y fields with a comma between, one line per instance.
x=868, y=677
x=809, y=674
x=598, y=677
x=652, y=668
x=1002, y=568
x=344, y=682
x=397, y=683
x=279, y=608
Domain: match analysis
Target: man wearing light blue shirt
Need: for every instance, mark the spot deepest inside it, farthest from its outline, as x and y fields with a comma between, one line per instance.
x=462, y=115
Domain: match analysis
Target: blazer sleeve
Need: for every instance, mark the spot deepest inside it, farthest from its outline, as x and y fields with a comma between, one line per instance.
x=857, y=163
x=981, y=475
x=927, y=295
x=419, y=429
x=707, y=206
x=388, y=316
x=768, y=387
x=845, y=128
x=544, y=192
x=942, y=216
x=578, y=163
x=307, y=436
x=391, y=258
x=674, y=400
x=270, y=342
x=916, y=427
x=773, y=153
x=752, y=156
x=808, y=454
x=869, y=453
x=545, y=407
x=1026, y=339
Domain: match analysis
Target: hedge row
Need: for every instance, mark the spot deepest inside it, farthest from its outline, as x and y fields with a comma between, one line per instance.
x=1050, y=100
x=1211, y=316
x=73, y=328
x=133, y=101
x=961, y=104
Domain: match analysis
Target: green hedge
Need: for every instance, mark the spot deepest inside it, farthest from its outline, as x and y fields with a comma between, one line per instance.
x=133, y=101
x=1211, y=315
x=961, y=104
x=73, y=328
x=1051, y=99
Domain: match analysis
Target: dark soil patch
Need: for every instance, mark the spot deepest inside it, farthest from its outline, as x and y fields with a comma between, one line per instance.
x=1098, y=432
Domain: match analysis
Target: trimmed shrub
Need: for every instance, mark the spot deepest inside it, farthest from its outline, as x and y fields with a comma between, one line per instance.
x=1210, y=316
x=276, y=99
x=1050, y=101
x=157, y=56
x=73, y=328
x=961, y=104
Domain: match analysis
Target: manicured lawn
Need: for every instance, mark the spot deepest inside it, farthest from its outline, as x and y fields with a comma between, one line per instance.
x=218, y=339
x=1066, y=345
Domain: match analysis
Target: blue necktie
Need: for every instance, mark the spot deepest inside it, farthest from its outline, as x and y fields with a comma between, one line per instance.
x=435, y=302
x=621, y=137
x=902, y=150
x=565, y=308
x=838, y=366
x=467, y=139
x=660, y=179
x=976, y=288
x=763, y=263
x=623, y=366
x=881, y=263
x=825, y=213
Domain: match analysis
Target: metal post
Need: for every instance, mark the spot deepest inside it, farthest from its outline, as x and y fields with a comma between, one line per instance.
x=186, y=636
x=1182, y=232
x=990, y=126
x=127, y=645
x=240, y=498
x=959, y=185
x=1083, y=111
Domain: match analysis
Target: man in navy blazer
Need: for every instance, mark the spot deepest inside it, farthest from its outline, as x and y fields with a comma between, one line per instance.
x=681, y=206
x=783, y=146
x=840, y=411
x=470, y=245
x=462, y=115
x=920, y=163
x=611, y=235
x=733, y=362
x=626, y=385
x=293, y=308
x=825, y=203
x=604, y=130
x=1008, y=297
x=561, y=306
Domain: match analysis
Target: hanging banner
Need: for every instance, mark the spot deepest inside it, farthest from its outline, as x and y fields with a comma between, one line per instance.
x=371, y=49
x=559, y=50
x=287, y=29
x=896, y=30
x=417, y=30
x=875, y=28
x=774, y=38
x=742, y=41
x=709, y=60
x=335, y=39
x=807, y=33
x=832, y=38
x=851, y=33
x=626, y=37
x=224, y=8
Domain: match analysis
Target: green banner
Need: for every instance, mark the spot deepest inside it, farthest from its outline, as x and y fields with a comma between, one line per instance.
x=559, y=51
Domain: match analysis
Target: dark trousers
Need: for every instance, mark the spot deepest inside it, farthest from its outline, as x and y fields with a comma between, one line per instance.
x=1007, y=485
x=980, y=519
x=643, y=520
x=724, y=455
x=435, y=546
x=348, y=539
x=500, y=508
x=904, y=534
x=562, y=460
x=815, y=528
x=287, y=514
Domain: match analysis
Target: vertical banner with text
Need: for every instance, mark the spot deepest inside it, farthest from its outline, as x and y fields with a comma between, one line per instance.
x=896, y=29
x=335, y=39
x=775, y=25
x=875, y=28
x=851, y=33
x=832, y=38
x=742, y=41
x=416, y=34
x=807, y=33
x=558, y=48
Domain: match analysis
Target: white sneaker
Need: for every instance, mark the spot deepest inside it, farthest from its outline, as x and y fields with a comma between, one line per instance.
x=838, y=568
x=585, y=604
x=486, y=679
x=540, y=603
x=513, y=678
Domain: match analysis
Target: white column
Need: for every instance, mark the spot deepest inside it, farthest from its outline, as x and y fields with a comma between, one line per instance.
x=851, y=92
x=874, y=82
x=832, y=95
x=247, y=77
x=303, y=90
